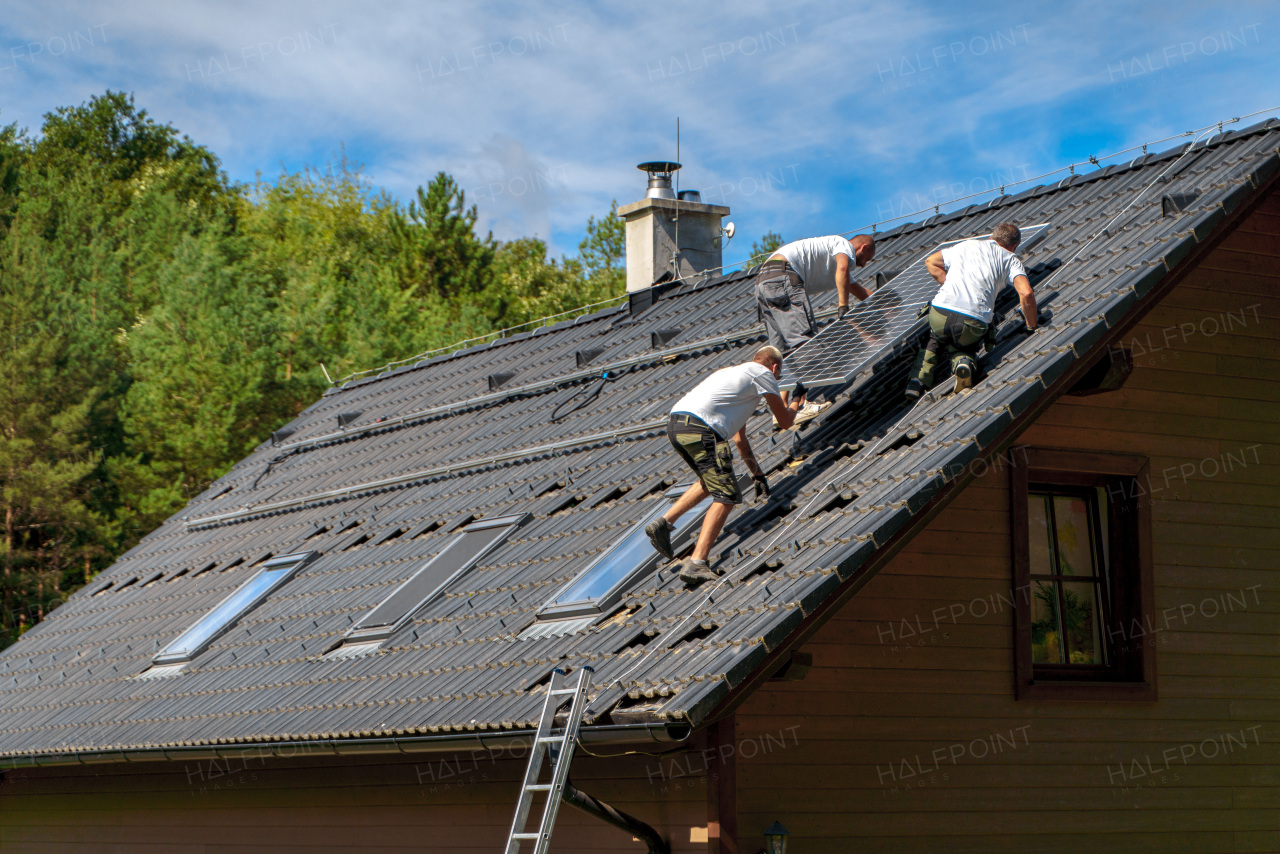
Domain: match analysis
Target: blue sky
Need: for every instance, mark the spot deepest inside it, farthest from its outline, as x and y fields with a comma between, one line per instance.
x=804, y=118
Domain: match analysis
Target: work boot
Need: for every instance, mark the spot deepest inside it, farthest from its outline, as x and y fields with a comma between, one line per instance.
x=659, y=532
x=915, y=389
x=694, y=572
x=964, y=369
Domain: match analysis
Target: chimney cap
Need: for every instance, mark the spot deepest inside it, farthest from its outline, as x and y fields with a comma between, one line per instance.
x=659, y=167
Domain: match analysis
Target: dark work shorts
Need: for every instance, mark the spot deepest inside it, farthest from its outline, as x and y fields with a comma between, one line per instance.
x=710, y=457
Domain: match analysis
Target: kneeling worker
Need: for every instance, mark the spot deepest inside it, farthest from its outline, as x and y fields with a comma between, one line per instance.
x=702, y=424
x=971, y=273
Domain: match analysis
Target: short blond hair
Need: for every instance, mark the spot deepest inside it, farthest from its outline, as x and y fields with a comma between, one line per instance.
x=768, y=355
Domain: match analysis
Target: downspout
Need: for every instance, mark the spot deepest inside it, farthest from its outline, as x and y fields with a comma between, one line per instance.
x=619, y=819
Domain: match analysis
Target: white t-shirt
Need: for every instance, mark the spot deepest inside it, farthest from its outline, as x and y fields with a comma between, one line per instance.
x=976, y=270
x=726, y=399
x=814, y=258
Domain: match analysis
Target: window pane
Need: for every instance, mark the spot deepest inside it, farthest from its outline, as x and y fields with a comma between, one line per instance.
x=1038, y=534
x=1046, y=642
x=1104, y=520
x=1080, y=623
x=190, y=641
x=631, y=552
x=1071, y=521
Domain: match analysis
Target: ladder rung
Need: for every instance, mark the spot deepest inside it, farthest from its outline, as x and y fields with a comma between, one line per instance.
x=539, y=787
x=526, y=836
x=552, y=739
x=557, y=692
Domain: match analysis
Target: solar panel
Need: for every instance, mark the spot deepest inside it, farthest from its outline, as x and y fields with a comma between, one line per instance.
x=462, y=552
x=874, y=326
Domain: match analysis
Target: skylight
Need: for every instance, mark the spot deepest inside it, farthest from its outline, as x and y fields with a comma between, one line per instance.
x=605, y=581
x=462, y=552
x=191, y=642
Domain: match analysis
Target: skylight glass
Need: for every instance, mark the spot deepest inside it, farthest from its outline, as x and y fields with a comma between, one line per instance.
x=613, y=573
x=191, y=642
x=461, y=553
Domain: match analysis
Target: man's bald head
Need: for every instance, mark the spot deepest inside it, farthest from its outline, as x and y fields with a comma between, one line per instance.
x=768, y=356
x=864, y=248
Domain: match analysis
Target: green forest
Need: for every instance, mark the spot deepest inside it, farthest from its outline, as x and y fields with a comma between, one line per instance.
x=160, y=320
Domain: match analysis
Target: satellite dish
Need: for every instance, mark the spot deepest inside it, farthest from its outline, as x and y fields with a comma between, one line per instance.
x=728, y=230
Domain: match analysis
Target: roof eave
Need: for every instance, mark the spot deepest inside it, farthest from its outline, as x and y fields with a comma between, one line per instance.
x=511, y=743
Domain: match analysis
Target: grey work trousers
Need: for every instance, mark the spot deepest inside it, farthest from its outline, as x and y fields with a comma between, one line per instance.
x=783, y=306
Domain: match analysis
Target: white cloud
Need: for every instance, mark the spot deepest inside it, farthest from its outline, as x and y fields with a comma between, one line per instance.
x=568, y=98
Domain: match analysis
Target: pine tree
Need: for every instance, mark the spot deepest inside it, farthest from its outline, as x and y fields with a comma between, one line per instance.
x=204, y=372
x=438, y=252
x=604, y=248
x=322, y=245
x=763, y=248
x=46, y=466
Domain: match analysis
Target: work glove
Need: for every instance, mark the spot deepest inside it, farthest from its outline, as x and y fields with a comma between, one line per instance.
x=924, y=309
x=841, y=311
x=761, y=484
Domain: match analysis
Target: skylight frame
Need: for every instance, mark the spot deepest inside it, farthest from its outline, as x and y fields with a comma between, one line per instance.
x=363, y=634
x=222, y=617
x=578, y=608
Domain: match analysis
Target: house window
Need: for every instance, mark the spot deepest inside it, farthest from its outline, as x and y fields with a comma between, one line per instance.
x=1082, y=573
x=457, y=557
x=194, y=640
x=604, y=582
x=1068, y=579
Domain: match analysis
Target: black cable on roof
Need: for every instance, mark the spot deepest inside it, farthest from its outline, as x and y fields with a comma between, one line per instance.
x=591, y=395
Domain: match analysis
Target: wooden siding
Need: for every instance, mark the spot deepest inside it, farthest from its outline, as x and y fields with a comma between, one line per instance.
x=458, y=803
x=907, y=736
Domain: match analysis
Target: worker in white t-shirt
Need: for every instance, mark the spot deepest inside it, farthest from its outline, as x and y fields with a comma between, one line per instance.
x=799, y=270
x=702, y=425
x=971, y=273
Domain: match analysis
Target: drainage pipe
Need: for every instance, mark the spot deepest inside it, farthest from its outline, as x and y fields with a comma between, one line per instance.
x=619, y=819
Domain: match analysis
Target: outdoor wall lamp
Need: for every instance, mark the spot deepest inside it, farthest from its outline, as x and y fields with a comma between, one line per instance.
x=775, y=839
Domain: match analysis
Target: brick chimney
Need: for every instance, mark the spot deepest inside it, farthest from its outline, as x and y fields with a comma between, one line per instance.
x=654, y=222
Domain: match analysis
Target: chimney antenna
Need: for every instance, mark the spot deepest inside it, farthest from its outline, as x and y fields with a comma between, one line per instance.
x=675, y=250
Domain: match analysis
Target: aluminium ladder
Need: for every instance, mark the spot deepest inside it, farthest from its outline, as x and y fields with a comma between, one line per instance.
x=561, y=746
